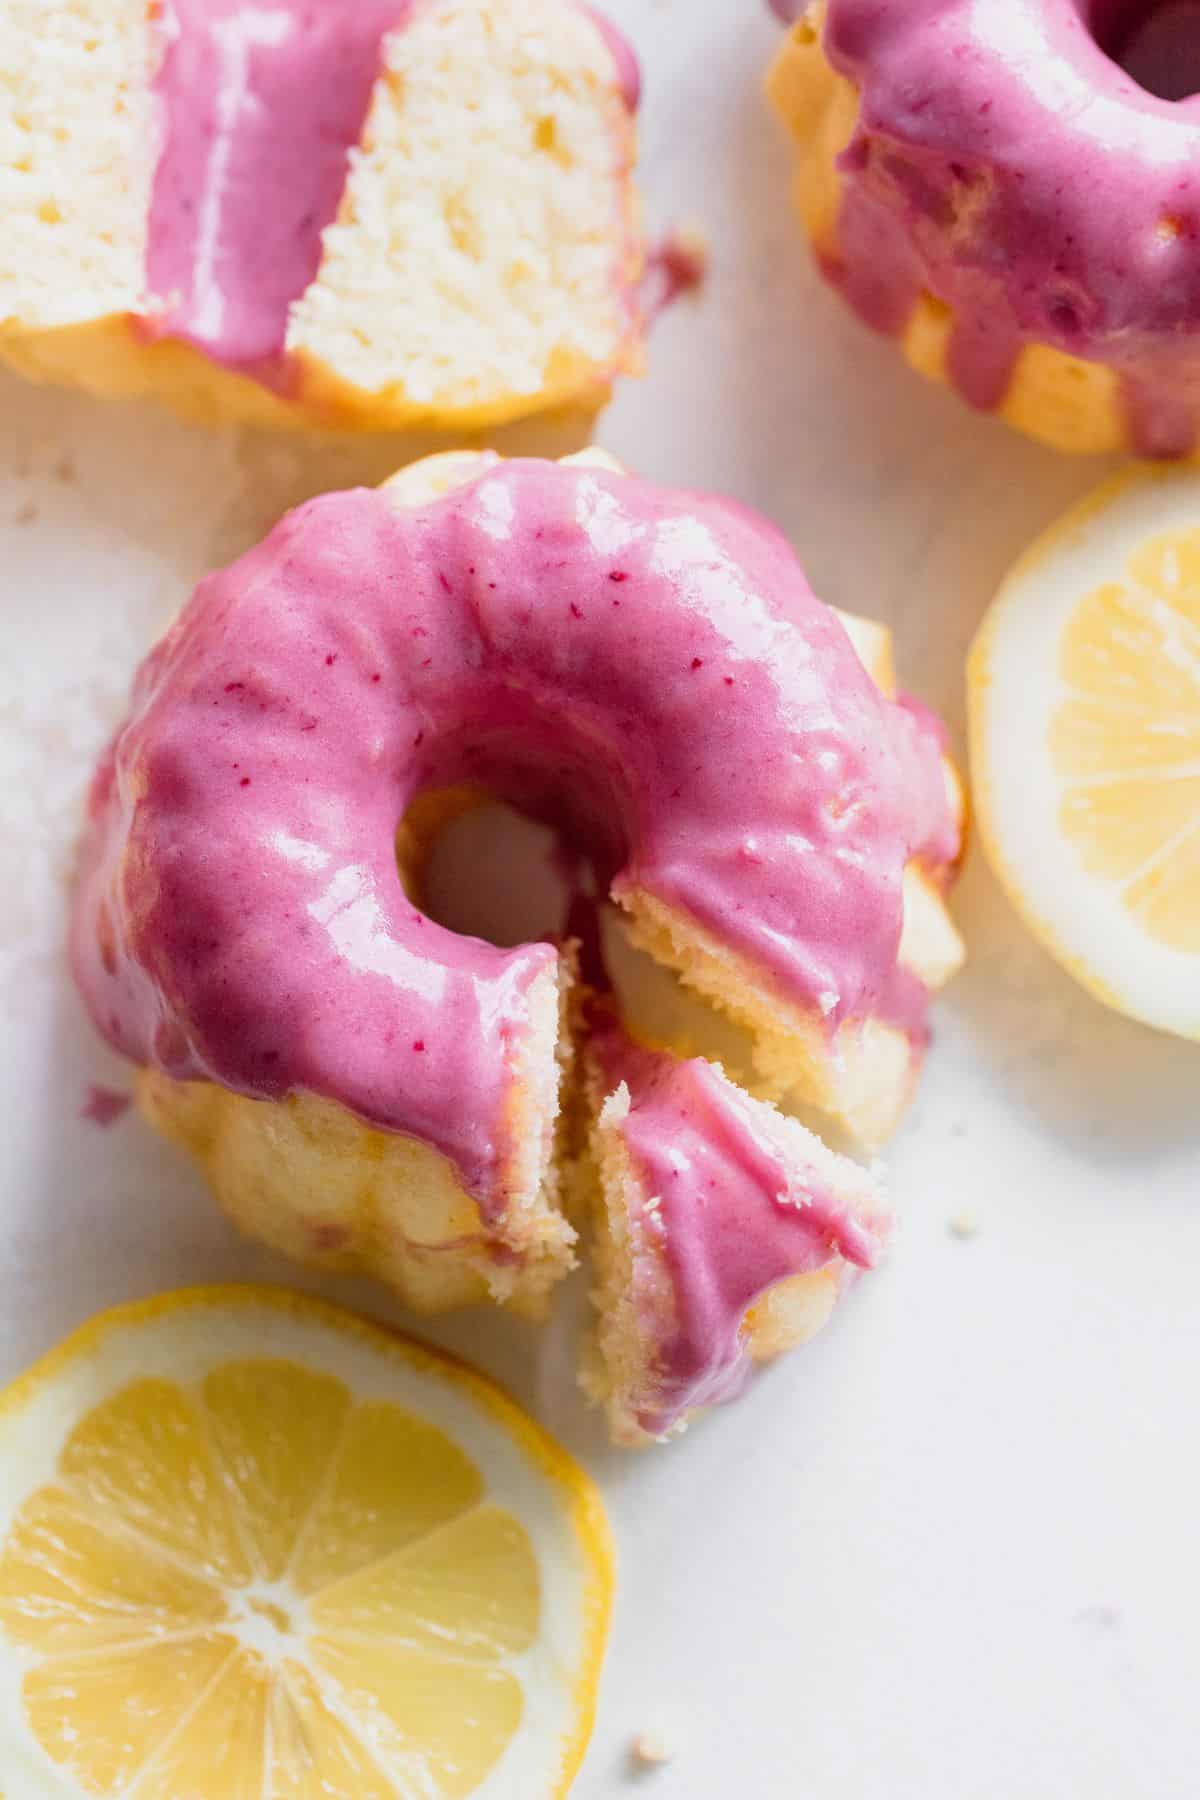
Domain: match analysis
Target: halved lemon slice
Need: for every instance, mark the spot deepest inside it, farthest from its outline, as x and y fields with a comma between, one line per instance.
x=252, y=1548
x=1084, y=693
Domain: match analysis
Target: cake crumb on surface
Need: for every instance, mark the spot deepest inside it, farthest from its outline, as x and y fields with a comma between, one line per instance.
x=963, y=1225
x=650, y=1750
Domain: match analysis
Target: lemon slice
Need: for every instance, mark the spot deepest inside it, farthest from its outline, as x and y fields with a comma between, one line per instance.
x=252, y=1549
x=1084, y=692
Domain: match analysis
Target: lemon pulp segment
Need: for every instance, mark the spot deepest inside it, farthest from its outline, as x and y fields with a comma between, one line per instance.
x=254, y=1580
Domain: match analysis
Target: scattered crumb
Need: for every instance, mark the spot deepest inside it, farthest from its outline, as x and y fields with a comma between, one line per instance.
x=104, y=1105
x=963, y=1225
x=650, y=1750
x=65, y=469
x=26, y=513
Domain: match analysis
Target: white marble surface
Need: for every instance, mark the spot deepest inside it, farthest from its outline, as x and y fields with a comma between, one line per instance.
x=950, y=1552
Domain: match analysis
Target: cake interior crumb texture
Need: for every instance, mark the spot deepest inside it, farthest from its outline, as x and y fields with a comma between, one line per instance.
x=480, y=267
x=482, y=238
x=75, y=176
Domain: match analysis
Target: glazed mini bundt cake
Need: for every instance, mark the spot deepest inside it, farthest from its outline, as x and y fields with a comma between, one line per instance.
x=724, y=1235
x=394, y=215
x=645, y=669
x=1009, y=191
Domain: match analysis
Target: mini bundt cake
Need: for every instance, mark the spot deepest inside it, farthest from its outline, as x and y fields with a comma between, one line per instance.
x=1009, y=190
x=644, y=668
x=391, y=214
x=724, y=1235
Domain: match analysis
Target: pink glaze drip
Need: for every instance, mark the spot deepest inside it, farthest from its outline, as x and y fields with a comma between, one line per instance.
x=650, y=665
x=734, y=1217
x=676, y=266
x=260, y=106
x=104, y=1105
x=1008, y=165
x=921, y=737
x=629, y=70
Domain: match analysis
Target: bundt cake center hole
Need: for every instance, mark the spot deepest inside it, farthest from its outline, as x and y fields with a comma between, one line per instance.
x=1157, y=42
x=483, y=869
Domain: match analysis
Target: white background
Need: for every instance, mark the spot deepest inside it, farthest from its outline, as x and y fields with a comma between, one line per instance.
x=949, y=1551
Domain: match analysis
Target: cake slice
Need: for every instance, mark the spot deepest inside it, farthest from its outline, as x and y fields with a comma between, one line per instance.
x=724, y=1235
x=393, y=216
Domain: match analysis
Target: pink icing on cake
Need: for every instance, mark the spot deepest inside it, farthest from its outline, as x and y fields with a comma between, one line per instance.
x=259, y=108
x=651, y=664
x=1008, y=164
x=730, y=1217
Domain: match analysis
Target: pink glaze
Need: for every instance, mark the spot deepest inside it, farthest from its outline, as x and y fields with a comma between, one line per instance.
x=676, y=266
x=649, y=665
x=732, y=1216
x=1007, y=164
x=104, y=1105
x=259, y=108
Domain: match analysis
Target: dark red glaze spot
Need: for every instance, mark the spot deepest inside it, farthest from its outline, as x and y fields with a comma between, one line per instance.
x=104, y=1105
